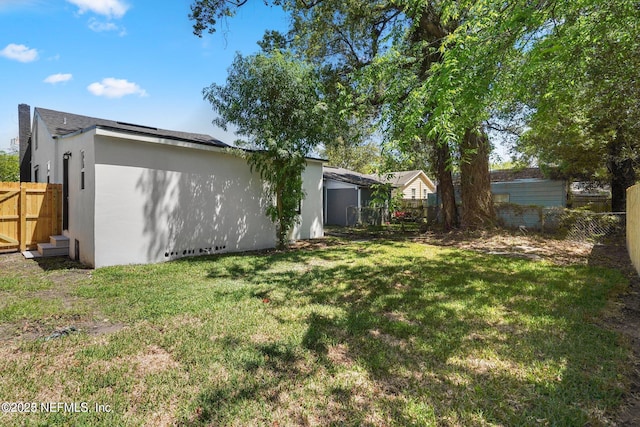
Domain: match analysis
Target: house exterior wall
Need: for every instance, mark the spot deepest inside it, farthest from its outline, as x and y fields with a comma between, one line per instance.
x=538, y=192
x=49, y=159
x=338, y=200
x=534, y=195
x=44, y=151
x=419, y=184
x=311, y=209
x=156, y=202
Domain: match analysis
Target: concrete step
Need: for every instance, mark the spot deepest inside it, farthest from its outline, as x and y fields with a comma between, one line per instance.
x=31, y=254
x=59, y=241
x=48, y=249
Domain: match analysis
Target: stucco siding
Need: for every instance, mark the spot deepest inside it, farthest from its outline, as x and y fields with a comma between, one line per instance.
x=311, y=212
x=43, y=152
x=156, y=202
x=81, y=201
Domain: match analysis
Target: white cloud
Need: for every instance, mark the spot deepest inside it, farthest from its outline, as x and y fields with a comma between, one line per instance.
x=58, y=78
x=99, y=27
x=19, y=52
x=108, y=8
x=115, y=88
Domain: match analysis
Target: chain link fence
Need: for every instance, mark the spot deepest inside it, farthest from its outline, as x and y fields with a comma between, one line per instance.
x=366, y=216
x=578, y=225
x=592, y=226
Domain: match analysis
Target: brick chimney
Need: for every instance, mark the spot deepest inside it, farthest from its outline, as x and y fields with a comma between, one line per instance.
x=24, y=137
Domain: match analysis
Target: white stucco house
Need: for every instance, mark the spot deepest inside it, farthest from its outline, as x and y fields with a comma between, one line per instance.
x=135, y=194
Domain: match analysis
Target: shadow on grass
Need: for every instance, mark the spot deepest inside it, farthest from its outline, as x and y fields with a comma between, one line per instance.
x=453, y=335
x=59, y=263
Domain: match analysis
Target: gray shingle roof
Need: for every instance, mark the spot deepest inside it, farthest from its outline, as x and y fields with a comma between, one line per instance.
x=60, y=124
x=399, y=179
x=348, y=176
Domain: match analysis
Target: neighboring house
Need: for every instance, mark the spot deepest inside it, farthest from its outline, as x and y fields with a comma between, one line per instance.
x=136, y=194
x=345, y=193
x=413, y=185
x=528, y=187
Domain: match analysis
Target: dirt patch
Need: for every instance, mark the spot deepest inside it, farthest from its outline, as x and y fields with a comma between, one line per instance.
x=514, y=244
x=62, y=276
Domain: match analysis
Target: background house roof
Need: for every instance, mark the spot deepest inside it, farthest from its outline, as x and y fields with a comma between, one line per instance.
x=399, y=179
x=60, y=123
x=348, y=176
x=516, y=174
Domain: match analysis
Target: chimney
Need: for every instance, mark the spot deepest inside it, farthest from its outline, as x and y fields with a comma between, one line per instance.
x=24, y=136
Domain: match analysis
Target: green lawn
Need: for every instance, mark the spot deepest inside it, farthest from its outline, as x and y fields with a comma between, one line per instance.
x=362, y=333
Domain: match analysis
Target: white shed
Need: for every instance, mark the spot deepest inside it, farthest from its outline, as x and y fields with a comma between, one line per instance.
x=136, y=194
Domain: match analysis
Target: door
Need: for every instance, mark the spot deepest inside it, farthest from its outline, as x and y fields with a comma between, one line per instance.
x=341, y=205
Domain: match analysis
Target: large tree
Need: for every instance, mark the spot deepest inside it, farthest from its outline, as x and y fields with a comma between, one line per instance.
x=274, y=103
x=383, y=53
x=567, y=71
x=585, y=113
x=9, y=167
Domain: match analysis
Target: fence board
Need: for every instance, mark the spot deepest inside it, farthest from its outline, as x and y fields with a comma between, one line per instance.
x=633, y=224
x=29, y=214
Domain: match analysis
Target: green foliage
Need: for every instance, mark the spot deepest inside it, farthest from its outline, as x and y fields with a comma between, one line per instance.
x=359, y=157
x=274, y=102
x=9, y=167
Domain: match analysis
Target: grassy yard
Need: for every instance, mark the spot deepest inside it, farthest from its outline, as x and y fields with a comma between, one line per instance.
x=362, y=333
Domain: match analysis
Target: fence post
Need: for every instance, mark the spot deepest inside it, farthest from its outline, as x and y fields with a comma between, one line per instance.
x=23, y=217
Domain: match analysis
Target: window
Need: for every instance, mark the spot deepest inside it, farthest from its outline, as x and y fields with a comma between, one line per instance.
x=501, y=198
x=413, y=193
x=82, y=170
x=424, y=193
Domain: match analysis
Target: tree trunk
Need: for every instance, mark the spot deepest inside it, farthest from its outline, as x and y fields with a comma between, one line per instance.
x=446, y=191
x=280, y=230
x=475, y=181
x=622, y=173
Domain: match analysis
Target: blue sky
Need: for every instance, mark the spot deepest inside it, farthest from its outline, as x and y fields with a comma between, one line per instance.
x=128, y=60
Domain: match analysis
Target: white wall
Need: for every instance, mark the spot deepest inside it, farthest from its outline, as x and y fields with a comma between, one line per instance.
x=81, y=201
x=311, y=220
x=43, y=150
x=419, y=183
x=156, y=202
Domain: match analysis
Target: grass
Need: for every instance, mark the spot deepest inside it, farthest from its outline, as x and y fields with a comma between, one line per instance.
x=362, y=333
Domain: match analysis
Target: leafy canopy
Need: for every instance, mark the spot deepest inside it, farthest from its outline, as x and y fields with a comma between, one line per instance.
x=275, y=104
x=9, y=167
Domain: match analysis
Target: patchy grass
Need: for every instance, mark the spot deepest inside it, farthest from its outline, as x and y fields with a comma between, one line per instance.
x=363, y=333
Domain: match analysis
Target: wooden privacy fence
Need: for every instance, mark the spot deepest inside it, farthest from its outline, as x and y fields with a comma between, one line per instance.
x=29, y=214
x=633, y=224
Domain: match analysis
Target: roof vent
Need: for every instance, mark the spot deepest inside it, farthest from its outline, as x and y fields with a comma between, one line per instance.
x=64, y=120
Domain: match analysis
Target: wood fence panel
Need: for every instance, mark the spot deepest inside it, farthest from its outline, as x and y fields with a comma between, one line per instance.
x=9, y=215
x=29, y=214
x=633, y=224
